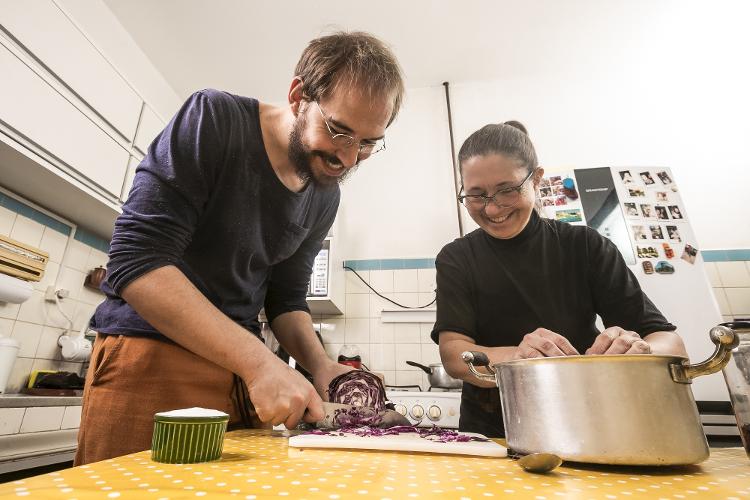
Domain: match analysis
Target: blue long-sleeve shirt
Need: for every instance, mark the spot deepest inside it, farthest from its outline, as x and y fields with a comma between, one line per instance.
x=206, y=200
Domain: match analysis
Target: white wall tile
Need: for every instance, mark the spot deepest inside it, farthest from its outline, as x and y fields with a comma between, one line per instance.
x=739, y=301
x=42, y=418
x=333, y=350
x=10, y=420
x=378, y=304
x=357, y=305
x=71, y=418
x=721, y=300
x=97, y=258
x=406, y=333
x=381, y=332
x=733, y=274
x=45, y=364
x=70, y=279
x=405, y=280
x=28, y=335
x=49, y=278
x=34, y=309
x=425, y=329
x=382, y=281
x=69, y=366
x=357, y=331
x=712, y=273
x=54, y=242
x=430, y=354
x=407, y=352
x=19, y=375
x=332, y=330
x=9, y=311
x=77, y=255
x=383, y=357
x=354, y=284
x=83, y=314
x=27, y=231
x=7, y=218
x=426, y=298
x=426, y=279
x=390, y=377
x=409, y=378
x=48, y=348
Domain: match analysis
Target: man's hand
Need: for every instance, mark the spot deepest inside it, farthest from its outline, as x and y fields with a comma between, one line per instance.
x=615, y=340
x=281, y=395
x=322, y=378
x=544, y=343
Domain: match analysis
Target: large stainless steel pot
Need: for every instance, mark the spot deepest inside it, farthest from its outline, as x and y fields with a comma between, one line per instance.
x=624, y=409
x=438, y=377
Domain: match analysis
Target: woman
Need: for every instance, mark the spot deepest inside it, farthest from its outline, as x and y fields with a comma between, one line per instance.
x=524, y=287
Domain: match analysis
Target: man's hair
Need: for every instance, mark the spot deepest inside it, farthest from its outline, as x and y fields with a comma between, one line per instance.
x=350, y=59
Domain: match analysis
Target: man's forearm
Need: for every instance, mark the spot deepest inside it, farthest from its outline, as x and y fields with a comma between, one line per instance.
x=170, y=303
x=294, y=331
x=450, y=353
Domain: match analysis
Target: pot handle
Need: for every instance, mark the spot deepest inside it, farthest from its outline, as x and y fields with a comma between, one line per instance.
x=725, y=340
x=476, y=358
x=424, y=368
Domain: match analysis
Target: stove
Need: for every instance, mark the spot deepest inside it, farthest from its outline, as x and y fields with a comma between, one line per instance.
x=426, y=409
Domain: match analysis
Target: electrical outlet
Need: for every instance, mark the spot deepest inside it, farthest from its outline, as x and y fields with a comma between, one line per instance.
x=49, y=294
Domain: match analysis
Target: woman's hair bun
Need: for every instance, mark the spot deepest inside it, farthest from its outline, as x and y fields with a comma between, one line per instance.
x=518, y=125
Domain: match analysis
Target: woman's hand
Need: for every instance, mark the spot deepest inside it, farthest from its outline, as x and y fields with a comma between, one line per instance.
x=615, y=340
x=544, y=343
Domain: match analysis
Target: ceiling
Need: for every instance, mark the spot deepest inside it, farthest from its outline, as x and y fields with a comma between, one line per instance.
x=251, y=47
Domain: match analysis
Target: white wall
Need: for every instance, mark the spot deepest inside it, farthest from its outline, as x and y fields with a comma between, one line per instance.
x=103, y=29
x=672, y=89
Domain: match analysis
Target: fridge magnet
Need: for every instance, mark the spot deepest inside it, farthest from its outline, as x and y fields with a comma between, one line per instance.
x=648, y=267
x=626, y=177
x=561, y=200
x=661, y=196
x=639, y=233
x=647, y=252
x=631, y=210
x=571, y=215
x=661, y=212
x=545, y=191
x=674, y=210
x=673, y=233
x=648, y=211
x=689, y=254
x=668, y=252
x=664, y=177
x=544, y=182
x=664, y=267
x=636, y=192
x=555, y=180
x=656, y=233
x=557, y=190
x=569, y=188
x=646, y=178
x=548, y=202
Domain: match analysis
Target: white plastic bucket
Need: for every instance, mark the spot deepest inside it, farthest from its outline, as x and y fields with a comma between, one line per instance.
x=8, y=352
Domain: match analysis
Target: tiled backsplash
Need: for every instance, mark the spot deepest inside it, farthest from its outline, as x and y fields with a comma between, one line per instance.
x=37, y=324
x=731, y=283
x=385, y=347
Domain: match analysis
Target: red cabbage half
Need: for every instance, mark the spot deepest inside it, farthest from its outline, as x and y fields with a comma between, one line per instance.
x=358, y=388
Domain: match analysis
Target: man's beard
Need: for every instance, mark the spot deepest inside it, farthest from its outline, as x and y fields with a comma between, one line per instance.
x=301, y=157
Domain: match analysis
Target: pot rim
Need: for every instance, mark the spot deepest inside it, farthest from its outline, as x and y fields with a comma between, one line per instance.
x=594, y=358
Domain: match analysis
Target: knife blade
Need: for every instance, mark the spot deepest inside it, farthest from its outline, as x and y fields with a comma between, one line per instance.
x=335, y=413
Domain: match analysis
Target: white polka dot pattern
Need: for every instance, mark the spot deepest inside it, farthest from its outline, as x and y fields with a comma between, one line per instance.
x=259, y=464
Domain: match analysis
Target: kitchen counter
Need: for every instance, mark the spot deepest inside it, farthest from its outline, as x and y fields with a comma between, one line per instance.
x=28, y=400
x=259, y=464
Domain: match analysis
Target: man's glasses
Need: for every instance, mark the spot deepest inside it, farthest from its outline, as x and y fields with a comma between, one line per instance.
x=344, y=141
x=503, y=198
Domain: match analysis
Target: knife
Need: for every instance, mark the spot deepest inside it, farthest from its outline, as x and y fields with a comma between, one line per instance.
x=336, y=412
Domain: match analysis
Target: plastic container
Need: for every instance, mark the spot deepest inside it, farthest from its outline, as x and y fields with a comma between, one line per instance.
x=8, y=353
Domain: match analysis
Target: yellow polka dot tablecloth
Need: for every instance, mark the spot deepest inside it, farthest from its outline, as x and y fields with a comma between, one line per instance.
x=259, y=464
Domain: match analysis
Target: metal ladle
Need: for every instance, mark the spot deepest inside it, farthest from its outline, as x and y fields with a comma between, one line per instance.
x=539, y=462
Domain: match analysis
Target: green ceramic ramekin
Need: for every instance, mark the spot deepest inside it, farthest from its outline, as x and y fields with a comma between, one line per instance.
x=188, y=439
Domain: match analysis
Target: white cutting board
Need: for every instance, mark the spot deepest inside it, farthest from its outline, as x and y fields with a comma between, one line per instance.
x=399, y=442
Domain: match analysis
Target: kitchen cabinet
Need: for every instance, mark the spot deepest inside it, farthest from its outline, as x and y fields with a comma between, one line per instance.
x=129, y=176
x=38, y=114
x=260, y=464
x=148, y=128
x=46, y=32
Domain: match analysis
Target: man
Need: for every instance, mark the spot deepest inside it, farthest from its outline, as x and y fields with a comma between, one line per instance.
x=226, y=214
